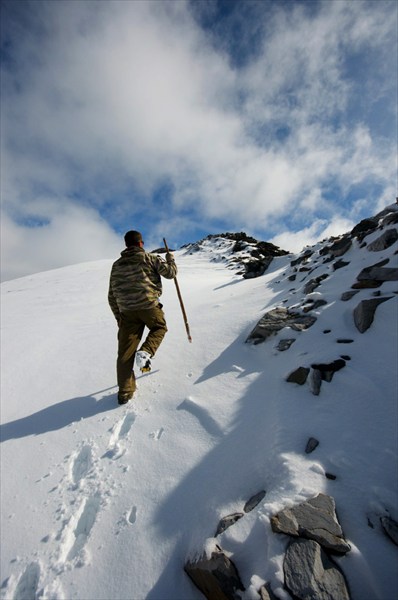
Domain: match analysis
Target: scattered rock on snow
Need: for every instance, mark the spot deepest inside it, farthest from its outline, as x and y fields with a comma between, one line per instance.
x=311, y=575
x=311, y=445
x=314, y=519
x=348, y=295
x=266, y=592
x=275, y=320
x=391, y=528
x=387, y=239
x=216, y=577
x=285, y=344
x=254, y=501
x=364, y=312
x=315, y=381
x=227, y=522
x=328, y=370
x=298, y=376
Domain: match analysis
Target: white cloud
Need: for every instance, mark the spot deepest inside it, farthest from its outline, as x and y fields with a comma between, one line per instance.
x=111, y=97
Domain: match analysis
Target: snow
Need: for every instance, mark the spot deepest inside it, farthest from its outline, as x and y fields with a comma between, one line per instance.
x=106, y=502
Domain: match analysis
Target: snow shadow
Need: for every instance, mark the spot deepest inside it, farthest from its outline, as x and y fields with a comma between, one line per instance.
x=57, y=416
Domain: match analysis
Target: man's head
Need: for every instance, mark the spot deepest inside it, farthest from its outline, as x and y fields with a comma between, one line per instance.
x=133, y=238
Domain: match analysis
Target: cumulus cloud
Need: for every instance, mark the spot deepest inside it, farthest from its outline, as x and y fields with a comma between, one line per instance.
x=105, y=103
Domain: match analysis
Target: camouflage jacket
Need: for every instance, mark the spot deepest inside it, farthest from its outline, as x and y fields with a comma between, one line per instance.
x=135, y=281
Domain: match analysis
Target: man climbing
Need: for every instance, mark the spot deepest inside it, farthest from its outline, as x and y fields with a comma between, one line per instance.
x=134, y=290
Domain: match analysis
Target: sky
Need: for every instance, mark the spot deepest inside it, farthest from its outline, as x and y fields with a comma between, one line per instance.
x=185, y=118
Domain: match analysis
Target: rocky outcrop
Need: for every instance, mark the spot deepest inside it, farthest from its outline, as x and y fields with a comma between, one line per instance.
x=311, y=575
x=315, y=520
x=216, y=577
x=387, y=239
x=277, y=319
x=364, y=312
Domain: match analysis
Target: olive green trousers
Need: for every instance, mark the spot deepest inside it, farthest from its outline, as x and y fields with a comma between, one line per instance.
x=131, y=329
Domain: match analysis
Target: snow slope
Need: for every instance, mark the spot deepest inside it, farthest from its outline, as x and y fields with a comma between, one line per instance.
x=107, y=502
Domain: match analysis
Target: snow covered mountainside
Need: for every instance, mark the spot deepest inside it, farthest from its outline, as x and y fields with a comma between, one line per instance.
x=101, y=502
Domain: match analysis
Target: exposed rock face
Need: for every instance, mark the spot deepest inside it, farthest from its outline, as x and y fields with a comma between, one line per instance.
x=216, y=577
x=275, y=320
x=311, y=285
x=311, y=575
x=316, y=520
x=364, y=312
x=387, y=239
x=364, y=226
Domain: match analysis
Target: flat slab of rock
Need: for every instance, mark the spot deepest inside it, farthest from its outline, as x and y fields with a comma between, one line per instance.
x=387, y=239
x=299, y=375
x=364, y=312
x=275, y=320
x=254, y=501
x=216, y=577
x=227, y=522
x=311, y=575
x=314, y=519
x=391, y=528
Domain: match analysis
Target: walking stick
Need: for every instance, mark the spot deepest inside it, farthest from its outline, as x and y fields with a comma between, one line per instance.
x=180, y=298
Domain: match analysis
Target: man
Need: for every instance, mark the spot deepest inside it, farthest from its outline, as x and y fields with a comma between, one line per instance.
x=134, y=290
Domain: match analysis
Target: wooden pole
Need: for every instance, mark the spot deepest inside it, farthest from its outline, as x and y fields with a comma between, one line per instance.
x=184, y=314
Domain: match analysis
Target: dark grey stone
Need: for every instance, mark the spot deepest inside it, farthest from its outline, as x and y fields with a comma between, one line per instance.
x=327, y=370
x=285, y=344
x=315, y=381
x=314, y=519
x=391, y=528
x=387, y=239
x=299, y=376
x=315, y=305
x=364, y=312
x=254, y=501
x=275, y=320
x=311, y=575
x=341, y=246
x=216, y=577
x=311, y=445
x=266, y=592
x=227, y=522
x=348, y=295
x=312, y=284
x=339, y=264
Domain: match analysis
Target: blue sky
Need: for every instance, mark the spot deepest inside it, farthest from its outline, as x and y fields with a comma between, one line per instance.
x=185, y=118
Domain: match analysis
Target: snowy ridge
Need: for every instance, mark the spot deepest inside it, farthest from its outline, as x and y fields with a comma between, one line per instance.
x=107, y=502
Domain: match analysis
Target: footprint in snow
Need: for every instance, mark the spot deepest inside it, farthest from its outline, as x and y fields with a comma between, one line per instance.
x=77, y=531
x=28, y=583
x=132, y=515
x=80, y=465
x=156, y=435
x=119, y=432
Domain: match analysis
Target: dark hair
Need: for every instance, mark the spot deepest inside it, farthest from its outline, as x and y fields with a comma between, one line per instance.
x=132, y=238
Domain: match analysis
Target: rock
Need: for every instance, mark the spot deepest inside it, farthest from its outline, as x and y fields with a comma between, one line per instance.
x=255, y=268
x=266, y=592
x=298, y=376
x=314, y=519
x=327, y=370
x=364, y=312
x=315, y=305
x=344, y=341
x=254, y=501
x=366, y=283
x=216, y=577
x=348, y=295
x=311, y=445
x=378, y=274
x=387, y=239
x=364, y=226
x=341, y=246
x=311, y=575
x=303, y=258
x=275, y=320
x=391, y=528
x=339, y=264
x=227, y=522
x=312, y=284
x=330, y=476
x=285, y=344
x=315, y=382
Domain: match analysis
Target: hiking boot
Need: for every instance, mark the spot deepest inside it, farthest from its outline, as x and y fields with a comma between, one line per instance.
x=143, y=361
x=124, y=397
